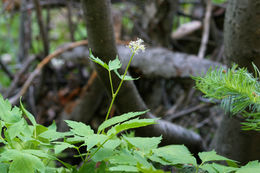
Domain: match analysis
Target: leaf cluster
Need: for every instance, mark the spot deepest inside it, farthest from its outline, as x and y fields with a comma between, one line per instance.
x=238, y=91
x=28, y=147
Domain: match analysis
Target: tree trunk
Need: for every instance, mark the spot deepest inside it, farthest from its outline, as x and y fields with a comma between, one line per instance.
x=102, y=42
x=157, y=20
x=24, y=32
x=242, y=46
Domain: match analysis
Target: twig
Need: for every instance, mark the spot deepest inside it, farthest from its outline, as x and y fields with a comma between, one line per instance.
x=187, y=111
x=39, y=67
x=206, y=28
x=70, y=22
x=41, y=27
x=176, y=105
x=6, y=70
x=18, y=75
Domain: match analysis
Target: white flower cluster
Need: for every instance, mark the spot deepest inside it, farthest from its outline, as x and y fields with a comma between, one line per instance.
x=137, y=45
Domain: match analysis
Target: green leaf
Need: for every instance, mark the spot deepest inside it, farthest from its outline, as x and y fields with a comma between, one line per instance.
x=79, y=128
x=158, y=159
x=129, y=157
x=124, y=168
x=149, y=170
x=223, y=169
x=102, y=155
x=127, y=78
x=28, y=114
x=53, y=135
x=212, y=156
x=175, y=154
x=87, y=167
x=134, y=123
x=253, y=166
x=40, y=153
x=23, y=162
x=97, y=60
x=123, y=158
x=94, y=139
x=112, y=143
x=16, y=128
x=144, y=144
x=7, y=113
x=114, y=64
x=209, y=168
x=4, y=167
x=60, y=146
x=119, y=119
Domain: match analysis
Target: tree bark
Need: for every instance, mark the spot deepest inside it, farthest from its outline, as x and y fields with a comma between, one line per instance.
x=24, y=32
x=102, y=42
x=242, y=46
x=157, y=20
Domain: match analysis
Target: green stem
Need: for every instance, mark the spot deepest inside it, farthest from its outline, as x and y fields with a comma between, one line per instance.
x=111, y=83
x=79, y=153
x=122, y=80
x=120, y=84
x=97, y=149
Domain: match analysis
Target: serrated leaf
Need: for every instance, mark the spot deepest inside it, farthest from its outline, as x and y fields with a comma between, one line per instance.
x=28, y=114
x=144, y=144
x=114, y=64
x=23, y=162
x=16, y=128
x=139, y=156
x=175, y=154
x=119, y=119
x=7, y=113
x=97, y=60
x=253, y=166
x=158, y=159
x=102, y=155
x=53, y=135
x=209, y=168
x=126, y=78
x=212, y=156
x=94, y=139
x=134, y=123
x=40, y=153
x=88, y=167
x=149, y=170
x=123, y=158
x=124, y=168
x=223, y=168
x=79, y=128
x=61, y=146
x=112, y=143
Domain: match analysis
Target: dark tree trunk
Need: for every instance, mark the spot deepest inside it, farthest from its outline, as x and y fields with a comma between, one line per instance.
x=157, y=20
x=24, y=32
x=242, y=46
x=102, y=42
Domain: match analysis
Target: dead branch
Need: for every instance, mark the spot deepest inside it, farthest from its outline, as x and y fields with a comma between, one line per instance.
x=206, y=27
x=18, y=75
x=39, y=67
x=42, y=27
x=6, y=70
x=186, y=29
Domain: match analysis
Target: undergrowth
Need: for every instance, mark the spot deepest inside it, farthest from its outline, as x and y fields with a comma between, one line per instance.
x=28, y=147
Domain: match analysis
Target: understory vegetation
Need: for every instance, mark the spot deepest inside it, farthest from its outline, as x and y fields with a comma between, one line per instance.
x=28, y=147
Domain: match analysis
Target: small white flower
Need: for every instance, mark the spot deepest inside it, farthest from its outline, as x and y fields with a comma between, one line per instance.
x=137, y=45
